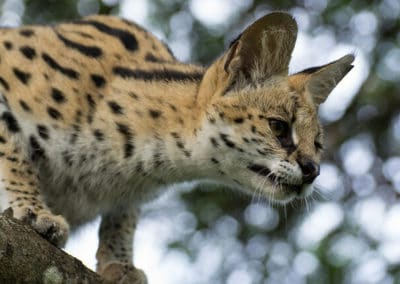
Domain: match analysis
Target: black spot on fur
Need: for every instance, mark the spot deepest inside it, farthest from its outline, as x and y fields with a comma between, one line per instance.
x=2, y=140
x=128, y=137
x=126, y=38
x=26, y=32
x=187, y=153
x=155, y=113
x=238, y=120
x=222, y=173
x=152, y=58
x=82, y=159
x=36, y=150
x=227, y=142
x=67, y=157
x=115, y=107
x=53, y=113
x=91, y=102
x=10, y=121
x=28, y=52
x=175, y=135
x=256, y=141
x=157, y=75
x=180, y=145
x=58, y=96
x=133, y=95
x=78, y=116
x=43, y=131
x=263, y=153
x=4, y=84
x=128, y=150
x=70, y=73
x=173, y=107
x=22, y=76
x=214, y=142
x=92, y=107
x=25, y=106
x=215, y=161
x=98, y=135
x=73, y=138
x=90, y=51
x=124, y=130
x=98, y=80
x=157, y=159
x=139, y=167
x=12, y=159
x=8, y=45
x=77, y=128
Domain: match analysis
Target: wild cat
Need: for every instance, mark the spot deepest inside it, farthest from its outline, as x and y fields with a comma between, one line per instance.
x=97, y=117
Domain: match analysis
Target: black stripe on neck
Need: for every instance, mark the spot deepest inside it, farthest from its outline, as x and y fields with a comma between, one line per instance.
x=157, y=75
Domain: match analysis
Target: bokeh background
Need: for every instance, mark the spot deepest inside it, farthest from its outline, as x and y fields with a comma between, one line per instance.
x=349, y=231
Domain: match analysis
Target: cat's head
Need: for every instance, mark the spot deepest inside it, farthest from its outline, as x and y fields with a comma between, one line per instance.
x=261, y=129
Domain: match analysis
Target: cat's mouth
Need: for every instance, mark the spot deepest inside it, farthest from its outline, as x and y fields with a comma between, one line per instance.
x=275, y=180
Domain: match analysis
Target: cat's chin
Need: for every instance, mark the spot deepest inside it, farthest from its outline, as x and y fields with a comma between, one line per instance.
x=290, y=193
x=281, y=193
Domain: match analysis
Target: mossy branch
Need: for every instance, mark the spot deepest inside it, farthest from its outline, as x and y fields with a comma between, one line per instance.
x=26, y=257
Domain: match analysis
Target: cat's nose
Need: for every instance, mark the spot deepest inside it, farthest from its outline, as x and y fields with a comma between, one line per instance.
x=310, y=170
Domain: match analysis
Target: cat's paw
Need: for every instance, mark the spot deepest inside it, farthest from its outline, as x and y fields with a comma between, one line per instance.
x=122, y=273
x=53, y=228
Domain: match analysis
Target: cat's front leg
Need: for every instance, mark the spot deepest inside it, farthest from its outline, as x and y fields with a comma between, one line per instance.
x=20, y=189
x=114, y=255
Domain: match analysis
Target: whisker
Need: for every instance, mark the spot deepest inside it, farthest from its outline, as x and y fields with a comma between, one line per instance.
x=307, y=204
x=322, y=194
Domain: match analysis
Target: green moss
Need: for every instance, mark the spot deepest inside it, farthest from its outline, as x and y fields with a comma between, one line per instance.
x=52, y=276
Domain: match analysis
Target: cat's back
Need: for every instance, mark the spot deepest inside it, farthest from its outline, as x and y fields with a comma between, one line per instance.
x=96, y=37
x=58, y=83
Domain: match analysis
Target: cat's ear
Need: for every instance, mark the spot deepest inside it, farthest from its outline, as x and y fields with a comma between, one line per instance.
x=322, y=80
x=264, y=49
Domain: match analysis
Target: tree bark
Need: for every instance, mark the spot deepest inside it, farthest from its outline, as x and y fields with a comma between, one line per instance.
x=26, y=257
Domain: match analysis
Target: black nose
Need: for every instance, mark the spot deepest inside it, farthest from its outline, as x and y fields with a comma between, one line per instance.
x=310, y=170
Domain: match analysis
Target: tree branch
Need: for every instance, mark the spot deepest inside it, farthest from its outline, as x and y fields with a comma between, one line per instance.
x=26, y=257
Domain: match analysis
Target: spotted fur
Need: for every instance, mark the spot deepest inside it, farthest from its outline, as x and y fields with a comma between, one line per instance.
x=97, y=117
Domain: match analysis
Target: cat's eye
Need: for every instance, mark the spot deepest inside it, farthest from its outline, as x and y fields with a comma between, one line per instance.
x=279, y=128
x=318, y=145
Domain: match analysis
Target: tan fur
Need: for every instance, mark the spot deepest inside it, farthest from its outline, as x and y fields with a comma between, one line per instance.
x=97, y=117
